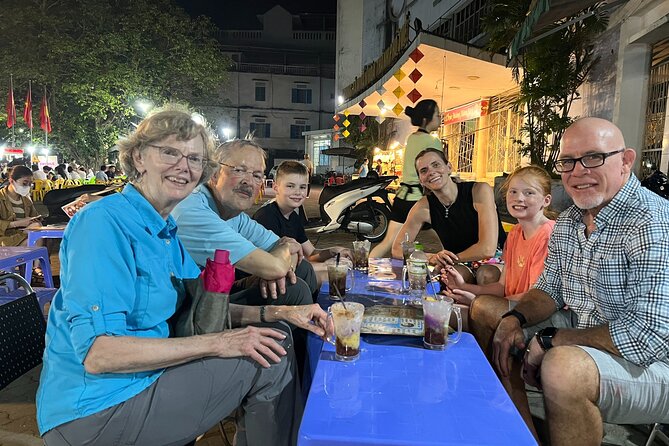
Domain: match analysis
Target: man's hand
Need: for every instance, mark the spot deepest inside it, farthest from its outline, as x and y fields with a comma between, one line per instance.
x=508, y=334
x=275, y=288
x=259, y=344
x=310, y=317
x=343, y=252
x=531, y=371
x=293, y=247
x=443, y=258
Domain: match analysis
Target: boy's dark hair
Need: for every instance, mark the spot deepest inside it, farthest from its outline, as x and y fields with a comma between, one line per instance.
x=290, y=167
x=103, y=167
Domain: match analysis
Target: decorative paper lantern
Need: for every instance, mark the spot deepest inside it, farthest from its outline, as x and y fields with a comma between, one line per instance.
x=399, y=75
x=416, y=55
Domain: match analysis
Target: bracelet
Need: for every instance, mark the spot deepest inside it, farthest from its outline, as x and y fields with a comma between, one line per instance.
x=517, y=314
x=262, y=314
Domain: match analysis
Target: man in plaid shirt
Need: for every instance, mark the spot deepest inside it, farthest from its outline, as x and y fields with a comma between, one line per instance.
x=595, y=327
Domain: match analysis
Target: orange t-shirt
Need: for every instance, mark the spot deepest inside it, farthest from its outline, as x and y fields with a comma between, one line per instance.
x=524, y=259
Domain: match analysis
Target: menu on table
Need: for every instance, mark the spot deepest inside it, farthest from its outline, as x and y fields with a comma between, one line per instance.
x=391, y=319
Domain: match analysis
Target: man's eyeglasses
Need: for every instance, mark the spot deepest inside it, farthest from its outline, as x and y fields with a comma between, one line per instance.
x=172, y=156
x=238, y=172
x=588, y=161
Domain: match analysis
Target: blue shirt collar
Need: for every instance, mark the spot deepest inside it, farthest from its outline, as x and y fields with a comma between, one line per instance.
x=154, y=222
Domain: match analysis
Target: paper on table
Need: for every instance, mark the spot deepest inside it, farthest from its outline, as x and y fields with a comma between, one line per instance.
x=381, y=269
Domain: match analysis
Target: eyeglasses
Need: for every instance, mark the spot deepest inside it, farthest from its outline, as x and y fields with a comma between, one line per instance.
x=238, y=172
x=588, y=161
x=172, y=156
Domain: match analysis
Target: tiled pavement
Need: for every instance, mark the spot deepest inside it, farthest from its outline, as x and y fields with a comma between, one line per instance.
x=17, y=401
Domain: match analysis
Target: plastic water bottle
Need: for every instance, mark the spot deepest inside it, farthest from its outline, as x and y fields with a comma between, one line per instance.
x=418, y=268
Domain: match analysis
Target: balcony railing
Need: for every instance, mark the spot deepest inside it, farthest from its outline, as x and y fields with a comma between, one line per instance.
x=255, y=35
x=314, y=35
x=295, y=70
x=464, y=25
x=381, y=65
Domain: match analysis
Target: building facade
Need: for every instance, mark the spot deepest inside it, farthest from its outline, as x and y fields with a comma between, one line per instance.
x=281, y=81
x=392, y=54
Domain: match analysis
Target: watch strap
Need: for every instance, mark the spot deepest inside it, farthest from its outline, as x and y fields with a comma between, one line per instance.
x=545, y=337
x=517, y=314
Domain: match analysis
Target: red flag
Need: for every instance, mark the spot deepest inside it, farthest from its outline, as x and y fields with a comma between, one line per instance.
x=44, y=118
x=28, y=108
x=11, y=109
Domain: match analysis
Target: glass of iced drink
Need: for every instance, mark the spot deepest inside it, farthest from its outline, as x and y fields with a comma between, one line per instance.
x=361, y=255
x=436, y=316
x=347, y=319
x=338, y=272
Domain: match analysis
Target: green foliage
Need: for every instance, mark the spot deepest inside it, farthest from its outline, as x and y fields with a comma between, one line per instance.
x=549, y=72
x=373, y=136
x=96, y=58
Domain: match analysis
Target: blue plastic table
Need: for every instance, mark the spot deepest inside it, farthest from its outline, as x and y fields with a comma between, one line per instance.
x=13, y=256
x=399, y=393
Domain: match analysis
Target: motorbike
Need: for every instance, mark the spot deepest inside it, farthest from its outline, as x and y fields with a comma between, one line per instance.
x=360, y=206
x=658, y=183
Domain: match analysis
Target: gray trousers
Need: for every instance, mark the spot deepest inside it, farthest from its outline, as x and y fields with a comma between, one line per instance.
x=189, y=399
x=246, y=291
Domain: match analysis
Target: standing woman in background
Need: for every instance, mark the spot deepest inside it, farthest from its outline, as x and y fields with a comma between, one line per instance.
x=426, y=116
x=17, y=211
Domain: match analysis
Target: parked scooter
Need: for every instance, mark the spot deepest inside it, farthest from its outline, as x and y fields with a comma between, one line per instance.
x=360, y=206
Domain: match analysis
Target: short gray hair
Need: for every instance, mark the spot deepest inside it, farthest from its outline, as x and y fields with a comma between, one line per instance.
x=224, y=151
x=173, y=119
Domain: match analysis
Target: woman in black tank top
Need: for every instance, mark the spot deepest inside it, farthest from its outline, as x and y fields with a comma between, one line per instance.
x=463, y=215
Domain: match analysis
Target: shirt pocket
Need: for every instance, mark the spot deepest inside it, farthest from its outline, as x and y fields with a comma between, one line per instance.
x=151, y=286
x=611, y=276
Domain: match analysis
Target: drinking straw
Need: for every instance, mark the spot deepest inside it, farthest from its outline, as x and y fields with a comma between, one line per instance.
x=429, y=282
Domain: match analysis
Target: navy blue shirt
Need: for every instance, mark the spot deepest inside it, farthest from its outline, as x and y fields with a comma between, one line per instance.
x=270, y=217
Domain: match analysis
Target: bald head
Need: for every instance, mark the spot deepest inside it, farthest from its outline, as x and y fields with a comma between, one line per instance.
x=600, y=163
x=600, y=133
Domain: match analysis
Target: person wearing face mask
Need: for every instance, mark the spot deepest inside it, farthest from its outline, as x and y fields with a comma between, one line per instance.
x=17, y=211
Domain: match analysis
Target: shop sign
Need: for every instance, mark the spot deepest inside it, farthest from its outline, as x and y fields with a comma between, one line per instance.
x=466, y=112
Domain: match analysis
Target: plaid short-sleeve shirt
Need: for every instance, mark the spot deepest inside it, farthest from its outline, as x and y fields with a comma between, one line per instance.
x=619, y=275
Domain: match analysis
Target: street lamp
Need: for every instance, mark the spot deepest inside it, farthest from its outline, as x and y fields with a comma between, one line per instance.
x=143, y=106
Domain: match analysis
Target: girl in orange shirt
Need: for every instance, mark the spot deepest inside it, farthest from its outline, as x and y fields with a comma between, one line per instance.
x=528, y=195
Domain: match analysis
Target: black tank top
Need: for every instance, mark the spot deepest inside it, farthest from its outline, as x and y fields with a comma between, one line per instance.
x=461, y=229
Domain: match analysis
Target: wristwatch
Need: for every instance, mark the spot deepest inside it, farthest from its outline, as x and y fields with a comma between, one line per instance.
x=545, y=337
x=517, y=314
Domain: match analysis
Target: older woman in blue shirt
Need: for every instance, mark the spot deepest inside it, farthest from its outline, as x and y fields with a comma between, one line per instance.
x=112, y=374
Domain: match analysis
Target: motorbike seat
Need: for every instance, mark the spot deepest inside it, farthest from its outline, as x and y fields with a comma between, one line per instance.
x=329, y=192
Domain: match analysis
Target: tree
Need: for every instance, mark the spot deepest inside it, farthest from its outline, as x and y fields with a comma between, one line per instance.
x=549, y=72
x=375, y=135
x=97, y=57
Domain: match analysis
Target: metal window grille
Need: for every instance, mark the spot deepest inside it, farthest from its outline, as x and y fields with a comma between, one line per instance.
x=656, y=108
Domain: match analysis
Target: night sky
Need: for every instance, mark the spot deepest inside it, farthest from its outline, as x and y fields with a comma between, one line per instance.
x=241, y=14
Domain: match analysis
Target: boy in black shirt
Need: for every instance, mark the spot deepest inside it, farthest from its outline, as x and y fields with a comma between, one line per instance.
x=282, y=216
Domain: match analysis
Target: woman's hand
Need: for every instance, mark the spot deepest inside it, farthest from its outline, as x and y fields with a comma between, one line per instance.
x=258, y=343
x=310, y=317
x=443, y=258
x=23, y=222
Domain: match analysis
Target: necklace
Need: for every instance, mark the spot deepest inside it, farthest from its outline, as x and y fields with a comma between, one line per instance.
x=446, y=208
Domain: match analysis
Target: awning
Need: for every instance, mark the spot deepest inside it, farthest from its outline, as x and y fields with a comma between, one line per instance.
x=432, y=67
x=543, y=13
